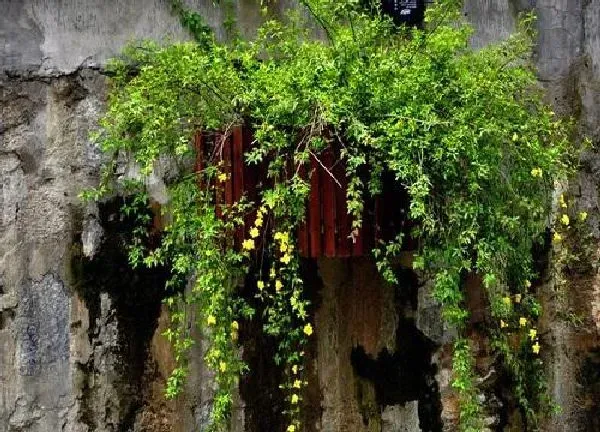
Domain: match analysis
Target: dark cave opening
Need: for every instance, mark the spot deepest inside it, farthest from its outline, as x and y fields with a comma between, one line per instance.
x=408, y=373
x=405, y=375
x=589, y=379
x=136, y=296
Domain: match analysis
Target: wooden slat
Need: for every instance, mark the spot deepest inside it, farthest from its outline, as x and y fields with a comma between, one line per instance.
x=328, y=204
x=199, y=149
x=237, y=172
x=219, y=190
x=228, y=159
x=314, y=211
x=303, y=232
x=343, y=222
x=250, y=178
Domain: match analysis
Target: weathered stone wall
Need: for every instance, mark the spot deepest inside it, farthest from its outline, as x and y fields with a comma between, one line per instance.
x=80, y=344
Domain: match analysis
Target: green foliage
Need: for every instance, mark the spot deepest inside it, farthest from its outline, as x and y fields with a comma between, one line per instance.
x=464, y=132
x=193, y=22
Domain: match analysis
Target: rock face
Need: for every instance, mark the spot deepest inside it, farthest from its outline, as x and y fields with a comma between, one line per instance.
x=80, y=344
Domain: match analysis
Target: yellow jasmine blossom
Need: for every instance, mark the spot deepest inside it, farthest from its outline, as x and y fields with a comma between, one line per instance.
x=294, y=398
x=536, y=348
x=583, y=216
x=563, y=204
x=278, y=285
x=506, y=300
x=258, y=222
x=254, y=232
x=222, y=177
x=285, y=259
x=291, y=428
x=283, y=247
x=295, y=369
x=211, y=320
x=297, y=384
x=235, y=325
x=281, y=236
x=517, y=298
x=557, y=237
x=533, y=334
x=565, y=220
x=308, y=330
x=503, y=324
x=522, y=321
x=528, y=284
x=260, y=285
x=248, y=244
x=262, y=210
x=222, y=366
x=536, y=172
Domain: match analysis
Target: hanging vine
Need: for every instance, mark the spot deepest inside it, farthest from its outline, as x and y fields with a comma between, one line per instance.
x=465, y=133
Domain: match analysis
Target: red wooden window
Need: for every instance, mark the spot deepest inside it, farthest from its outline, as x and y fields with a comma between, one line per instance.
x=326, y=230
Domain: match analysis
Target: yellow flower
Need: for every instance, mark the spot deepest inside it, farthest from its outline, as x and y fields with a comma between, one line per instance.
x=258, y=222
x=262, y=210
x=211, y=320
x=285, y=259
x=308, y=330
x=503, y=324
x=222, y=366
x=536, y=348
x=506, y=300
x=283, y=247
x=260, y=285
x=536, y=172
x=248, y=244
x=297, y=384
x=295, y=369
x=565, y=220
x=290, y=248
x=254, y=232
x=583, y=216
x=291, y=428
x=517, y=298
x=533, y=334
x=563, y=204
x=557, y=237
x=235, y=325
x=522, y=321
x=295, y=398
x=278, y=285
x=222, y=177
x=281, y=236
x=527, y=283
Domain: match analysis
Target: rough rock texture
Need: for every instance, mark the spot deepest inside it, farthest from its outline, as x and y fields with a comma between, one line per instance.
x=80, y=344
x=568, y=58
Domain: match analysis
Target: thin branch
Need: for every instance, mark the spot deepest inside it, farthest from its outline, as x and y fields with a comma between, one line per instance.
x=325, y=168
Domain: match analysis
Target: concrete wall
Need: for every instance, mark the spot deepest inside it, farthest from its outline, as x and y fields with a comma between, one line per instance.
x=79, y=343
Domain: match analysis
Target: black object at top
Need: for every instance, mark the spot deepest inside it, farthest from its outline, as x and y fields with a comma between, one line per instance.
x=411, y=12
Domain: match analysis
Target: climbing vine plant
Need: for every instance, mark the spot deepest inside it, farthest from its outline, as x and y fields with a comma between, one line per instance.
x=465, y=133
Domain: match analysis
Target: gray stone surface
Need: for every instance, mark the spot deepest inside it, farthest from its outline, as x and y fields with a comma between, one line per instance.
x=401, y=418
x=63, y=362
